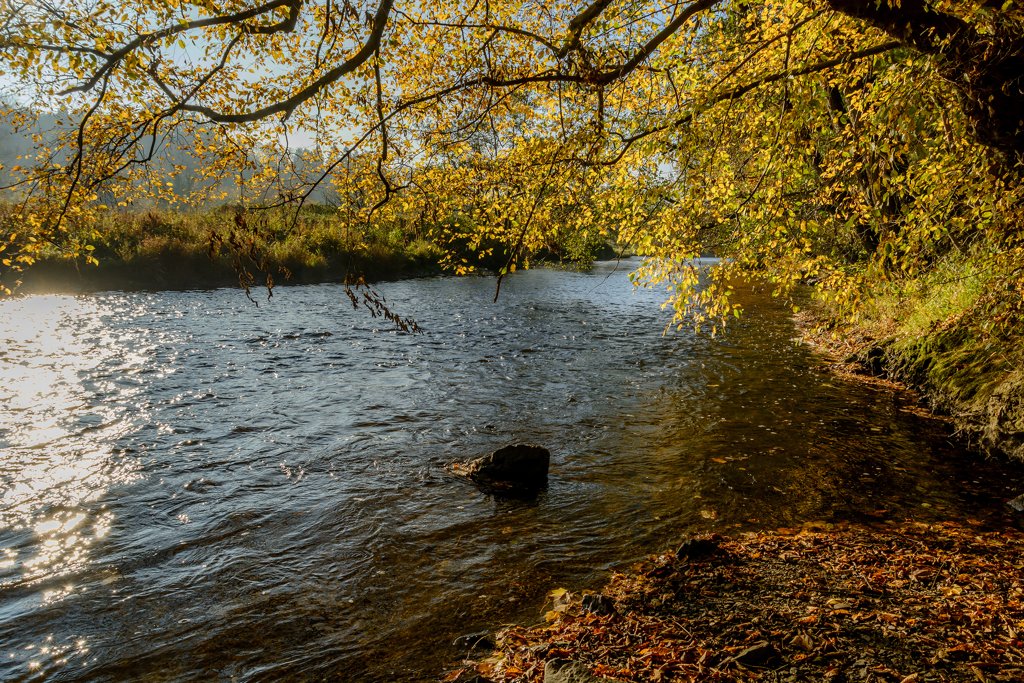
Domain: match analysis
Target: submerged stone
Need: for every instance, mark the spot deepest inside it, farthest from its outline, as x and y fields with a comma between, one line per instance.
x=481, y=640
x=520, y=465
x=759, y=654
x=697, y=548
x=598, y=604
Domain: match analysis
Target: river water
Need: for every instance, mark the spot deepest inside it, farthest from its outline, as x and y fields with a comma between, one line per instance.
x=194, y=488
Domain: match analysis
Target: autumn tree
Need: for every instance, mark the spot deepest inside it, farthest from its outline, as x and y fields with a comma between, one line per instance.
x=842, y=141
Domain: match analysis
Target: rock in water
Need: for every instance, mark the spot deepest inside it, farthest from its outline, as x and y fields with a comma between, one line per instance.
x=598, y=604
x=520, y=465
x=698, y=548
x=759, y=654
x=481, y=640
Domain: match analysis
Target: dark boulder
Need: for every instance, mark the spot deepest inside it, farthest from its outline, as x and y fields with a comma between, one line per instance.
x=698, y=548
x=761, y=654
x=481, y=640
x=520, y=465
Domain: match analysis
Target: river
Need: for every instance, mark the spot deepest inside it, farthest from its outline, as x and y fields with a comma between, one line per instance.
x=194, y=488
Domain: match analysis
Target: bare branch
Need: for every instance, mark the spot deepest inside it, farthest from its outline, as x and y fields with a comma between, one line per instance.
x=289, y=104
x=239, y=19
x=579, y=24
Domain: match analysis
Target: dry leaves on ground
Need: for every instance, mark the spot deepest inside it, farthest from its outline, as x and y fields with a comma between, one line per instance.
x=898, y=602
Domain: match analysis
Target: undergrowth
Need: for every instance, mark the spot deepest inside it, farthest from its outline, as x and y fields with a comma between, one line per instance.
x=936, y=333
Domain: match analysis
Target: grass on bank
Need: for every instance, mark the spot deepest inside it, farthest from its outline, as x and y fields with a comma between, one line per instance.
x=938, y=334
x=162, y=248
x=312, y=240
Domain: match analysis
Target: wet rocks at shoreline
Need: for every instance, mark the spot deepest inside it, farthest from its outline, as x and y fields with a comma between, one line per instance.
x=480, y=640
x=698, y=548
x=595, y=603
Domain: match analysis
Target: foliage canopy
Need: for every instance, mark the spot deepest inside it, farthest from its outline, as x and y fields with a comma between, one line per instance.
x=850, y=142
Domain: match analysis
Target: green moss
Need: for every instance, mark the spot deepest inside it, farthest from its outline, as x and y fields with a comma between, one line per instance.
x=931, y=333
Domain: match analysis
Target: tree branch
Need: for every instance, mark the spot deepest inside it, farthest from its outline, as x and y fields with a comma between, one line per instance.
x=289, y=104
x=116, y=57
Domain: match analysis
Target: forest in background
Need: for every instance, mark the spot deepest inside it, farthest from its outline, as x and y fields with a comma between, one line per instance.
x=200, y=231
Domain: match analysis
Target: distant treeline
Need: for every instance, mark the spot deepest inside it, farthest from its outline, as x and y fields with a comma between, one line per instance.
x=224, y=246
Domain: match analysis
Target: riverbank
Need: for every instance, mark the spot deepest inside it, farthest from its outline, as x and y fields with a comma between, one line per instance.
x=967, y=370
x=181, y=270
x=177, y=250
x=887, y=600
x=898, y=601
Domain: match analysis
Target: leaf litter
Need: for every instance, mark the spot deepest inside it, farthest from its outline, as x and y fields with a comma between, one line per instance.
x=899, y=601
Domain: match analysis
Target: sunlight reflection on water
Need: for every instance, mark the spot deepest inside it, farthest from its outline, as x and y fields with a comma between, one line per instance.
x=56, y=436
x=196, y=489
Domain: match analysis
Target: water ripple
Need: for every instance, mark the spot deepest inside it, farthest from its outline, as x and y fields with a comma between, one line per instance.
x=193, y=488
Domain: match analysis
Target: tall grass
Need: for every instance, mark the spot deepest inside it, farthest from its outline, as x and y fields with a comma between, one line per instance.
x=160, y=248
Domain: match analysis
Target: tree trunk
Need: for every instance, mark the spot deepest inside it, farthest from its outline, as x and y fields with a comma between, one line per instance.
x=987, y=66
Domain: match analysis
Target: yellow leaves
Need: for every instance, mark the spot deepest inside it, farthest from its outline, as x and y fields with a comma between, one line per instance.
x=779, y=179
x=560, y=600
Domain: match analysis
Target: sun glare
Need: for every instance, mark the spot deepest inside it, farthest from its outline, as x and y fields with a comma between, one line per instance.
x=57, y=436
